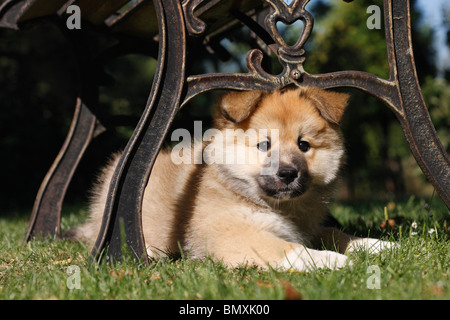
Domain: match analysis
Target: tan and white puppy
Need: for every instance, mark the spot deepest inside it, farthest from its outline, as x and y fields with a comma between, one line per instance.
x=256, y=192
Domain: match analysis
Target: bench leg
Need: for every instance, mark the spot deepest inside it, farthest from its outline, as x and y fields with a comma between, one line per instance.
x=415, y=119
x=403, y=95
x=122, y=215
x=46, y=214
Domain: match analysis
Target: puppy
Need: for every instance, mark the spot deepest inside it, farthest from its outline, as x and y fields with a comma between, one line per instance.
x=256, y=190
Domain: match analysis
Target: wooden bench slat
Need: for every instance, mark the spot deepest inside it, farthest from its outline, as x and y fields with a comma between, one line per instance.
x=138, y=21
x=40, y=8
x=96, y=11
x=217, y=14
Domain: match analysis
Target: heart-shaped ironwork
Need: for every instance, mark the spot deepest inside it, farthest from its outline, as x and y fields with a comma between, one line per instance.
x=288, y=13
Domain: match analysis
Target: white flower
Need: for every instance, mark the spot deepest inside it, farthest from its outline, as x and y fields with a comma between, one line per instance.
x=414, y=233
x=431, y=231
x=414, y=225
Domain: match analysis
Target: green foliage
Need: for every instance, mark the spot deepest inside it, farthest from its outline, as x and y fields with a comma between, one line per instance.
x=342, y=41
x=436, y=92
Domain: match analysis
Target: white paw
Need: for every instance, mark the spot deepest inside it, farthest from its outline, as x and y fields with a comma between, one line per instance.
x=303, y=259
x=371, y=245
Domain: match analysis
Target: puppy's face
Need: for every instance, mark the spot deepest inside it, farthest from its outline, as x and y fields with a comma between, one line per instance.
x=286, y=142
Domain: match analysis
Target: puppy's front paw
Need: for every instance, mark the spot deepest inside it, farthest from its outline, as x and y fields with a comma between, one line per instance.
x=303, y=259
x=372, y=246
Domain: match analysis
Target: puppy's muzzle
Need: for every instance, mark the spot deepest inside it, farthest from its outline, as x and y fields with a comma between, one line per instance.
x=287, y=174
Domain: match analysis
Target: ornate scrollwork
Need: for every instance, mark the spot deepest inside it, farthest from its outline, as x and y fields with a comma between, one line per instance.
x=291, y=57
x=194, y=25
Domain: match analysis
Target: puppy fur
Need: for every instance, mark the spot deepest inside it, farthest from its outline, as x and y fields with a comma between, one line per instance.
x=233, y=213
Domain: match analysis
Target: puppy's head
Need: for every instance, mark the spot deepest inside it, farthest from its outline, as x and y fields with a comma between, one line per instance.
x=288, y=141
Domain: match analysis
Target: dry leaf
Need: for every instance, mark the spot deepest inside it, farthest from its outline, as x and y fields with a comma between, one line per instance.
x=390, y=223
x=290, y=293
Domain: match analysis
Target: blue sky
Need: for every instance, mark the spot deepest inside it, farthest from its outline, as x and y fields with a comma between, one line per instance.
x=433, y=17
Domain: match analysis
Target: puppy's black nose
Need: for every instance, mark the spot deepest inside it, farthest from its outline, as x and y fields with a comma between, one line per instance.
x=287, y=175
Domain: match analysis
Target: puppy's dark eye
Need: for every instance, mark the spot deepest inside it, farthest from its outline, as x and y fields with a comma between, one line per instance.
x=304, y=146
x=263, y=146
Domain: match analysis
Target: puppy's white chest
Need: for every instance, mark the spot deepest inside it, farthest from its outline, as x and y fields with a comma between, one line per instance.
x=277, y=224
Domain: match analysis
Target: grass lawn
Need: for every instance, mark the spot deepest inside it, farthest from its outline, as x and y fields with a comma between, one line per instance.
x=419, y=269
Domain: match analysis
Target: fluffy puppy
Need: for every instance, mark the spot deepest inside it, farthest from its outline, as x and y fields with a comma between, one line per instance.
x=256, y=191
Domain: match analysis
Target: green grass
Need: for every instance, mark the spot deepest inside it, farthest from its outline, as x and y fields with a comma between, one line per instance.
x=419, y=269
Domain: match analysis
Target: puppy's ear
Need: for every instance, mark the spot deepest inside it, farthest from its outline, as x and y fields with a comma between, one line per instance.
x=236, y=106
x=330, y=104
